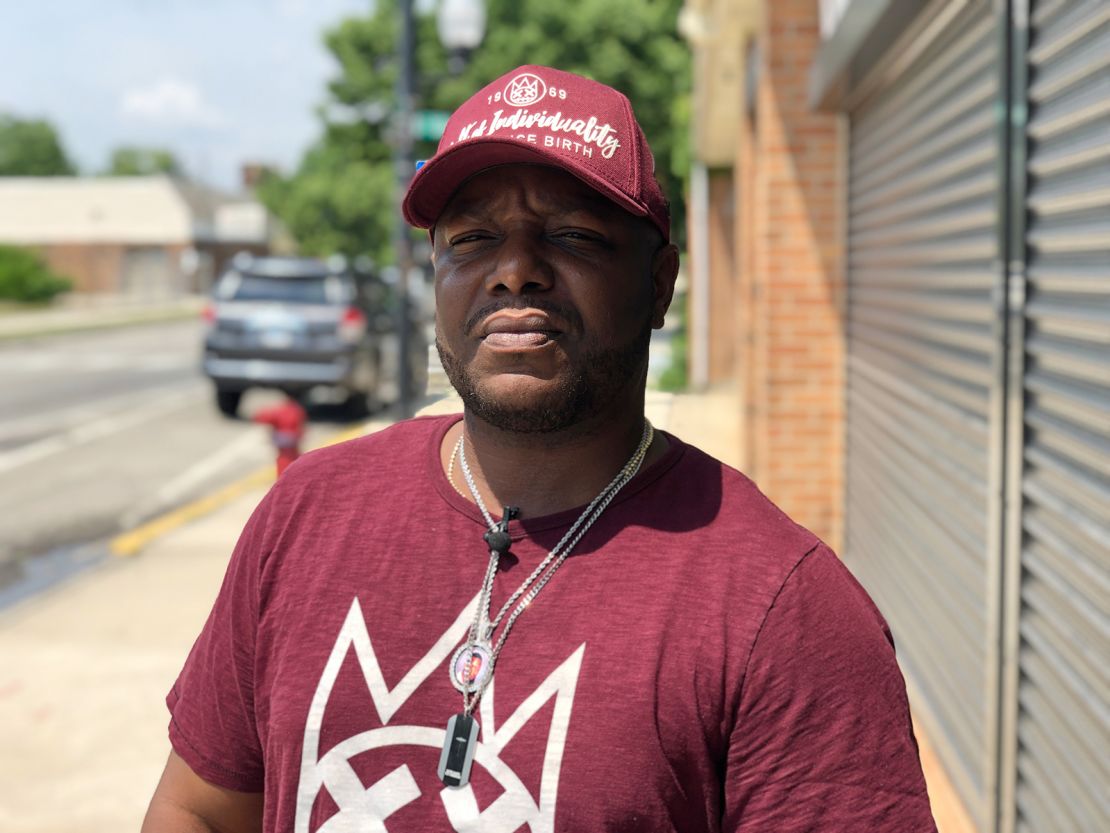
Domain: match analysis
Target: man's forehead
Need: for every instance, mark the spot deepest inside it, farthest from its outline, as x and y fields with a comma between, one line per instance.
x=550, y=189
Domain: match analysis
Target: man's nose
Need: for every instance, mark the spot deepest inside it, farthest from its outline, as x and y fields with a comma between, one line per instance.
x=521, y=267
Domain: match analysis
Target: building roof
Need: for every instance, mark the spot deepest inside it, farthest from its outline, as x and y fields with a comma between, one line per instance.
x=141, y=210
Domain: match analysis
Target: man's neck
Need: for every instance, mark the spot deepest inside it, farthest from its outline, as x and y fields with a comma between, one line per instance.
x=548, y=472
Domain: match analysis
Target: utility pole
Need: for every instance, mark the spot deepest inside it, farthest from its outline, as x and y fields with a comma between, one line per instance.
x=403, y=171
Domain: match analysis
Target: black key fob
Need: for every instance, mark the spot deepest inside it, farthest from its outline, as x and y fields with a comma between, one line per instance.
x=458, y=750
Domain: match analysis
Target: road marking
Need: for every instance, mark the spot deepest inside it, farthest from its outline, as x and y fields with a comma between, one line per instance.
x=90, y=431
x=75, y=415
x=133, y=542
x=39, y=363
x=251, y=443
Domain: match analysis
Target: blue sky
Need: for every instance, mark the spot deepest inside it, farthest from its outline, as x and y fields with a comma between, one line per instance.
x=216, y=81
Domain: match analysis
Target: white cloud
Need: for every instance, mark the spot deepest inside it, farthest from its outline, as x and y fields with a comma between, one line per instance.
x=292, y=8
x=170, y=101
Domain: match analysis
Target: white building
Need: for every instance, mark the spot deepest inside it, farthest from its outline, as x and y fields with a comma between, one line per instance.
x=150, y=236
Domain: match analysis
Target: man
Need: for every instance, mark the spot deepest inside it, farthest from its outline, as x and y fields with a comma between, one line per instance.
x=544, y=615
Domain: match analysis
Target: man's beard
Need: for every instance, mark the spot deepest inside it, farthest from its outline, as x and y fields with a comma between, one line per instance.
x=596, y=380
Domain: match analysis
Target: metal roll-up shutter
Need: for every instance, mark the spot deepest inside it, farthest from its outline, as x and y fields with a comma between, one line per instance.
x=1064, y=648
x=922, y=242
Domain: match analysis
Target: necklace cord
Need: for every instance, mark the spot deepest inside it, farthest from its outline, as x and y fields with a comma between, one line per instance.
x=482, y=631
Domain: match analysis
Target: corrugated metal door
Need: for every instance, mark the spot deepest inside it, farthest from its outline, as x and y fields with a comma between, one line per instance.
x=1063, y=647
x=922, y=370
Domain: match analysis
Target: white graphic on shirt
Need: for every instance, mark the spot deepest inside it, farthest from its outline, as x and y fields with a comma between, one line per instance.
x=367, y=809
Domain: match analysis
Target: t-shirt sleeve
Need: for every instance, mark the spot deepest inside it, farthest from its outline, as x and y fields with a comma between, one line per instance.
x=822, y=740
x=212, y=718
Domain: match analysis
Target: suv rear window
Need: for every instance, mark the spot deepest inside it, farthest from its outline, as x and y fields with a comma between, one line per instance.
x=239, y=286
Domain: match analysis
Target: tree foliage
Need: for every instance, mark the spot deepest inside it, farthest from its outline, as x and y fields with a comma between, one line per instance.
x=338, y=201
x=342, y=199
x=31, y=147
x=131, y=160
x=25, y=277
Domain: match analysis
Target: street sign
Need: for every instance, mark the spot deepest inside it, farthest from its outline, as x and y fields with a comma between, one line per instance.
x=429, y=124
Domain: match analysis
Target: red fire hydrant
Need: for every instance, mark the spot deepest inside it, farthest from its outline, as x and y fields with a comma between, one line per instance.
x=287, y=421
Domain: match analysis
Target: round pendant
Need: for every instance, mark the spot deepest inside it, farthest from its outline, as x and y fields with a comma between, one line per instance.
x=470, y=666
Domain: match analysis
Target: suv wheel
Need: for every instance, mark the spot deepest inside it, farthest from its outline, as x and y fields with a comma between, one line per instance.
x=228, y=401
x=363, y=404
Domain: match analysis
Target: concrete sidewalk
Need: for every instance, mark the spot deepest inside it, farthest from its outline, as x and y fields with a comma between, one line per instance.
x=86, y=665
x=90, y=312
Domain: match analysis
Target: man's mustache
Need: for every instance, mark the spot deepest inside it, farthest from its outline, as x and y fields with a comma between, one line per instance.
x=563, y=313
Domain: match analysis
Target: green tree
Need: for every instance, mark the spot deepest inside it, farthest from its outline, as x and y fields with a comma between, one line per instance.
x=341, y=197
x=31, y=147
x=25, y=277
x=338, y=201
x=142, y=161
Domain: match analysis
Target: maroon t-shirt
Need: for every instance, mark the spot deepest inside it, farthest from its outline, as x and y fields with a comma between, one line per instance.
x=700, y=663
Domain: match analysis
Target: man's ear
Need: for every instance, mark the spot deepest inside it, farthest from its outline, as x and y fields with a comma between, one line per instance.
x=664, y=273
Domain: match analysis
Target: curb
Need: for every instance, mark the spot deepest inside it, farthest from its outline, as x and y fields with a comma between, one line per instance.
x=11, y=330
x=134, y=541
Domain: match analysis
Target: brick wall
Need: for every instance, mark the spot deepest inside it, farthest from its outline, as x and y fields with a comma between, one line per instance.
x=100, y=267
x=791, y=277
x=93, y=267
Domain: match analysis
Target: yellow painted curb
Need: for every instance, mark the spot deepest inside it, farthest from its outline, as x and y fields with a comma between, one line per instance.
x=136, y=540
x=133, y=542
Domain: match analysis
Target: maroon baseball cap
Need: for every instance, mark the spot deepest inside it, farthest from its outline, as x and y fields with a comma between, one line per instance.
x=544, y=116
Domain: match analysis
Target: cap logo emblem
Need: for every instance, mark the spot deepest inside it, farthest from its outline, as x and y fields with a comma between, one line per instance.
x=525, y=89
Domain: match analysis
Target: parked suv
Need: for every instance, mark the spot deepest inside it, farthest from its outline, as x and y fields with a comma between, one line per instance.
x=299, y=325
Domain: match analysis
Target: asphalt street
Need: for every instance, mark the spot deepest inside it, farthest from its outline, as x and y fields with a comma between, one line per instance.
x=102, y=430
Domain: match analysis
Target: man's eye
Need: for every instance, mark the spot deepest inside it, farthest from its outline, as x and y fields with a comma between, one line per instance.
x=468, y=237
x=578, y=235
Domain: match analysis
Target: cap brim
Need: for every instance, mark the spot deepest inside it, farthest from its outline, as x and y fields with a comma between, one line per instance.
x=437, y=181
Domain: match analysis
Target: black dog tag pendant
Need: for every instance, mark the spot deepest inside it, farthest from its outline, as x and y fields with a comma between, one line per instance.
x=458, y=750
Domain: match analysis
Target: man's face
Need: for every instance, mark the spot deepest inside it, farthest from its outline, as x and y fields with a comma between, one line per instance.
x=546, y=294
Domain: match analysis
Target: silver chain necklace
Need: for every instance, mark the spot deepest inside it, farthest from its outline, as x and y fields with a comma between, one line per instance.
x=471, y=667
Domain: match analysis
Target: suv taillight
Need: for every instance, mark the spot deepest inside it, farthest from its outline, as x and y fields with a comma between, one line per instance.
x=352, y=326
x=208, y=314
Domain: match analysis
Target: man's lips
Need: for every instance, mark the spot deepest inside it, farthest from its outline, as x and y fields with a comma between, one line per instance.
x=518, y=329
x=516, y=340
